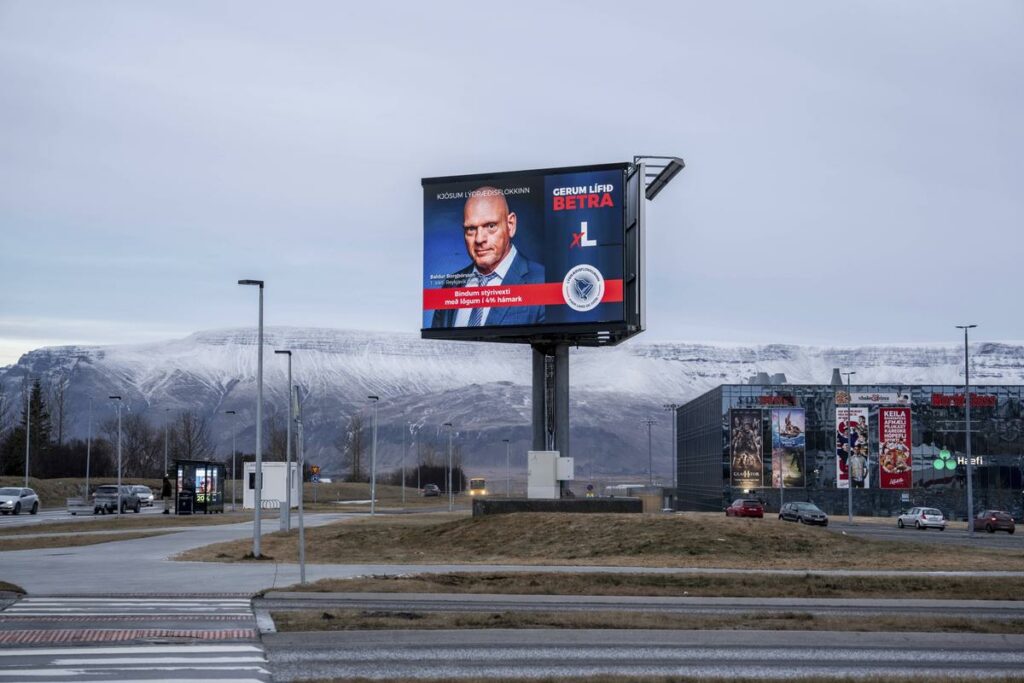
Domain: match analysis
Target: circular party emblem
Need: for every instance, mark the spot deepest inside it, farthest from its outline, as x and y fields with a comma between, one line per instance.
x=583, y=287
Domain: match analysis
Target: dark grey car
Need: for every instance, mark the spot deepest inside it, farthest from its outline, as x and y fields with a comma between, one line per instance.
x=805, y=513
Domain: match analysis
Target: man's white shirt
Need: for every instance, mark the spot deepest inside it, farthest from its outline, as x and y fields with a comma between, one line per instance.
x=462, y=317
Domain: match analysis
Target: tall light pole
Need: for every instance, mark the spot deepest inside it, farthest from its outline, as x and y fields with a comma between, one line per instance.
x=672, y=407
x=288, y=449
x=88, y=453
x=849, y=451
x=451, y=500
x=967, y=426
x=166, y=429
x=28, y=425
x=373, y=458
x=234, y=478
x=405, y=450
x=649, y=421
x=258, y=489
x=508, y=468
x=119, y=402
x=301, y=462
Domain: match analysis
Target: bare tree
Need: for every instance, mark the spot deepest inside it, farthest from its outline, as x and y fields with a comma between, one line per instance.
x=191, y=435
x=141, y=445
x=58, y=400
x=5, y=409
x=354, y=447
x=277, y=439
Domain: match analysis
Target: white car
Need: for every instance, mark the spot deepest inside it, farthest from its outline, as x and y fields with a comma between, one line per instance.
x=922, y=518
x=15, y=500
x=145, y=495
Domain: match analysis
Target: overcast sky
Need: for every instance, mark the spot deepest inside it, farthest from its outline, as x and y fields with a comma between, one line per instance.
x=854, y=169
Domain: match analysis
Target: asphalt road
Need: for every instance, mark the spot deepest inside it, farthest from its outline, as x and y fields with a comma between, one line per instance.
x=465, y=603
x=707, y=654
x=61, y=515
x=890, y=532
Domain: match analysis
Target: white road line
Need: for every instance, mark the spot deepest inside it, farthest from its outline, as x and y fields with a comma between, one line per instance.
x=127, y=649
x=196, y=661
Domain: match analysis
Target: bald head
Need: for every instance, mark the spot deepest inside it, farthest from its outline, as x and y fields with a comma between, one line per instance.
x=488, y=228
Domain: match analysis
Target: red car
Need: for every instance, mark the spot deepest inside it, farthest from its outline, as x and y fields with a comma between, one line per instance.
x=993, y=521
x=745, y=507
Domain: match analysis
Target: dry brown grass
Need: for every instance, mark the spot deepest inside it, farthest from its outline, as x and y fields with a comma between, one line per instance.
x=388, y=498
x=68, y=540
x=682, y=585
x=354, y=620
x=127, y=521
x=921, y=678
x=686, y=540
x=6, y=587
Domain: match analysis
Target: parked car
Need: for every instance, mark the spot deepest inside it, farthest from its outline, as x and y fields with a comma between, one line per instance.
x=993, y=521
x=145, y=495
x=922, y=518
x=105, y=499
x=805, y=513
x=431, y=490
x=745, y=507
x=15, y=500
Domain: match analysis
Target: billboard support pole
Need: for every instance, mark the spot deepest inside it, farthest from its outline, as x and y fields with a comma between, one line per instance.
x=550, y=408
x=561, y=396
x=538, y=408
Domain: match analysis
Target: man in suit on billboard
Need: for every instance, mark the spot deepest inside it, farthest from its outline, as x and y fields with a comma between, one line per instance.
x=488, y=228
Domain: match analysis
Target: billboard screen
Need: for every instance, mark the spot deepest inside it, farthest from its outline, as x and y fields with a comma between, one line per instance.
x=894, y=458
x=510, y=256
x=746, y=461
x=789, y=445
x=852, y=448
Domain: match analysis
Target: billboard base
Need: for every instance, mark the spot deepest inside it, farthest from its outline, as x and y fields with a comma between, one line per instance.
x=551, y=400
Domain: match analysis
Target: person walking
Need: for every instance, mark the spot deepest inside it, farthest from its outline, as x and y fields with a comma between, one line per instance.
x=165, y=493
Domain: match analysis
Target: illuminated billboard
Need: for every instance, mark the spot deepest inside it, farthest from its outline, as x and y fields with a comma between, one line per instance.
x=532, y=254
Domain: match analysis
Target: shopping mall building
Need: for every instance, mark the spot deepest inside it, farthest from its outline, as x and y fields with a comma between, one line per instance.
x=903, y=445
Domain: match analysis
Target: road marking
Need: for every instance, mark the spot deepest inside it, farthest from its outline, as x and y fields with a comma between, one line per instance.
x=32, y=636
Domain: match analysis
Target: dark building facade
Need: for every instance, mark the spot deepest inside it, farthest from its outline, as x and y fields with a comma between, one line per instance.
x=725, y=442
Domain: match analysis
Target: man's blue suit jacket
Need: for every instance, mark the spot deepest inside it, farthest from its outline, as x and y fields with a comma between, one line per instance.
x=520, y=272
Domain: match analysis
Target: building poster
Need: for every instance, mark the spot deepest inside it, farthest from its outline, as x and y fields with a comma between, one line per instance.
x=894, y=459
x=746, y=460
x=789, y=446
x=852, y=447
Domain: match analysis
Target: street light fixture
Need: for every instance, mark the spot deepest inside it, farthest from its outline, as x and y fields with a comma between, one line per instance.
x=967, y=426
x=288, y=448
x=258, y=488
x=373, y=459
x=119, y=403
x=849, y=451
x=234, y=475
x=508, y=468
x=451, y=499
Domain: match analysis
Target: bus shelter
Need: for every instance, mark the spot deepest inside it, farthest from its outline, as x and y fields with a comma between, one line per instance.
x=198, y=487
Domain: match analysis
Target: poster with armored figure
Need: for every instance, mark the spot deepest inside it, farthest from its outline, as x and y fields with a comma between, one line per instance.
x=746, y=454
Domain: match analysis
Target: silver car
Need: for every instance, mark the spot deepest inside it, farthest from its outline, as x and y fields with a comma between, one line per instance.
x=145, y=495
x=922, y=518
x=15, y=500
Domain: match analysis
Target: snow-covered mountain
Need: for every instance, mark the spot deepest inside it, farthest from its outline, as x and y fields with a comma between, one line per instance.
x=483, y=389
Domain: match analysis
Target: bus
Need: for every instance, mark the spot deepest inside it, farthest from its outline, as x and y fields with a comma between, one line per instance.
x=478, y=486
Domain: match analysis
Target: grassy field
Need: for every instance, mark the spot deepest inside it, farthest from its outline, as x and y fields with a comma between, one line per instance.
x=6, y=587
x=681, y=585
x=354, y=620
x=684, y=540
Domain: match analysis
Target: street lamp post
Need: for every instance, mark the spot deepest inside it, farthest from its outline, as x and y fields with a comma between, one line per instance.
x=234, y=477
x=649, y=421
x=119, y=402
x=967, y=435
x=88, y=453
x=508, y=468
x=373, y=458
x=258, y=488
x=849, y=451
x=300, y=458
x=451, y=499
x=166, y=428
x=672, y=407
x=405, y=450
x=288, y=450
x=28, y=426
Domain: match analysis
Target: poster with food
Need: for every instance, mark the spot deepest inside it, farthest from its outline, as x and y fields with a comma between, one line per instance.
x=894, y=457
x=746, y=460
x=789, y=446
x=853, y=449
